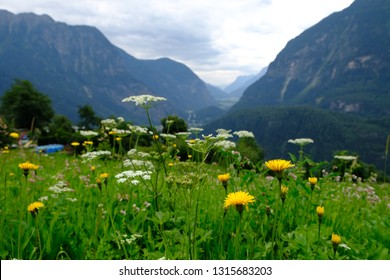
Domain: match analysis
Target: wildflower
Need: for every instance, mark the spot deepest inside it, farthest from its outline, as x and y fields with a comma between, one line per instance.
x=93, y=155
x=239, y=200
x=14, y=135
x=301, y=141
x=155, y=137
x=88, y=143
x=33, y=207
x=224, y=178
x=278, y=166
x=145, y=101
x=99, y=183
x=118, y=139
x=313, y=181
x=225, y=144
x=346, y=158
x=336, y=240
x=88, y=133
x=75, y=144
x=27, y=166
x=283, y=193
x=320, y=212
x=244, y=133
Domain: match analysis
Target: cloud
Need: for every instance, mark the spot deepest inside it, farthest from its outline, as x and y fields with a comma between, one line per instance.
x=217, y=39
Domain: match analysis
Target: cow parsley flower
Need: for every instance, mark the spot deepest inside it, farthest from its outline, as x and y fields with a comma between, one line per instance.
x=145, y=101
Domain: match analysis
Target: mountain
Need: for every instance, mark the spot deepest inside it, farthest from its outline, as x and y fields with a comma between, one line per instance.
x=78, y=65
x=237, y=88
x=331, y=83
x=340, y=64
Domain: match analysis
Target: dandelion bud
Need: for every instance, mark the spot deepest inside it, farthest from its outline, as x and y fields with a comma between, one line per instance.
x=320, y=212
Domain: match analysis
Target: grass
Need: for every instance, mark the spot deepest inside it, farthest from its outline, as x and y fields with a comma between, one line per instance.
x=180, y=214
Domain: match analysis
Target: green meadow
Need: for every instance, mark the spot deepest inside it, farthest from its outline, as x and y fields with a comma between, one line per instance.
x=128, y=194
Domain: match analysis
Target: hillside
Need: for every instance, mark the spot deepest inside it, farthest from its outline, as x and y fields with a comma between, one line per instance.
x=331, y=83
x=340, y=64
x=330, y=132
x=77, y=65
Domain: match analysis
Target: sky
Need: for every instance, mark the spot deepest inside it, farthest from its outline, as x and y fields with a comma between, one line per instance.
x=218, y=39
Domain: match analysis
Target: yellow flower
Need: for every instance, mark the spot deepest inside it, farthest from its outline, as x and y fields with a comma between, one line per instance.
x=283, y=192
x=33, y=207
x=278, y=165
x=75, y=144
x=224, y=177
x=103, y=176
x=336, y=240
x=118, y=139
x=14, y=135
x=189, y=156
x=239, y=200
x=27, y=166
x=88, y=143
x=320, y=211
x=170, y=164
x=313, y=180
x=155, y=137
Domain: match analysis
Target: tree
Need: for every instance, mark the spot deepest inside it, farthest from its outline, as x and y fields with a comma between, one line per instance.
x=25, y=107
x=61, y=128
x=87, y=117
x=173, y=124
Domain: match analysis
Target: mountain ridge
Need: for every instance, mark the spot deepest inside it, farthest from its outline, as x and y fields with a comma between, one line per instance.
x=78, y=65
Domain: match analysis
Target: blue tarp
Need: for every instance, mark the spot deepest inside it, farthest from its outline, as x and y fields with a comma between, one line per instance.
x=48, y=149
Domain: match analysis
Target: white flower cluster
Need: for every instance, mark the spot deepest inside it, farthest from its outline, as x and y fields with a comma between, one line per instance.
x=131, y=174
x=301, y=141
x=93, y=155
x=60, y=187
x=138, y=163
x=135, y=153
x=145, y=100
x=88, y=133
x=223, y=133
x=168, y=136
x=138, y=129
x=121, y=131
x=244, y=133
x=225, y=144
x=109, y=123
x=129, y=241
x=346, y=158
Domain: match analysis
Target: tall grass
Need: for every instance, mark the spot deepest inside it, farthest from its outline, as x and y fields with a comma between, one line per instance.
x=122, y=221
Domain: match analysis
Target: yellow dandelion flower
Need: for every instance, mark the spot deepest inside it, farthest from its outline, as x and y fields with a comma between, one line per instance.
x=27, y=166
x=118, y=139
x=75, y=144
x=170, y=164
x=336, y=239
x=155, y=137
x=313, y=180
x=88, y=143
x=320, y=211
x=239, y=200
x=14, y=135
x=224, y=177
x=103, y=176
x=189, y=156
x=33, y=207
x=278, y=165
